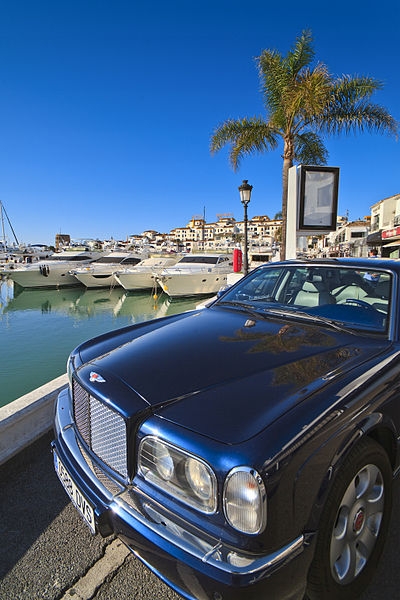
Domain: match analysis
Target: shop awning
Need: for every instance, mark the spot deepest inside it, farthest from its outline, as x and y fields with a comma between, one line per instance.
x=392, y=244
x=374, y=239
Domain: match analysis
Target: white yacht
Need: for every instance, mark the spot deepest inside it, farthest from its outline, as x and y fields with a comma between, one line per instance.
x=196, y=274
x=53, y=272
x=141, y=277
x=100, y=273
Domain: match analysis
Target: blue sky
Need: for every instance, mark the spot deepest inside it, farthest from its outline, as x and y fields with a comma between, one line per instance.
x=107, y=109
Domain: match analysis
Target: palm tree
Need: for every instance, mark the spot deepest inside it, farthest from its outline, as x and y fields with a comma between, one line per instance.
x=302, y=103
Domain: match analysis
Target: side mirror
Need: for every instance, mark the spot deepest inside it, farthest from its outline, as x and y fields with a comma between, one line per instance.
x=223, y=290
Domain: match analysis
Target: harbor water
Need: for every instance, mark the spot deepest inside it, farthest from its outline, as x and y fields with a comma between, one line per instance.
x=39, y=328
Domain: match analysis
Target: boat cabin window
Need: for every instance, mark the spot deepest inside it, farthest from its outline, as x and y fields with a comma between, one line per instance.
x=206, y=260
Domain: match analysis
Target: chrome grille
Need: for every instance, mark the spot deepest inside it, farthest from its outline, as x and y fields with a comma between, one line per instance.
x=103, y=430
x=81, y=412
x=112, y=486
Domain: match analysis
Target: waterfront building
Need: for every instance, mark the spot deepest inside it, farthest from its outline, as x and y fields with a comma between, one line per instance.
x=225, y=233
x=380, y=230
x=349, y=239
x=385, y=227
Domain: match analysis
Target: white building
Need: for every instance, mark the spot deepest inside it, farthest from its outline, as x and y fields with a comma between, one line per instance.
x=386, y=226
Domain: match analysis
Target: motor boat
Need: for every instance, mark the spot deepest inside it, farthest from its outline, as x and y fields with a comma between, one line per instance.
x=100, y=273
x=196, y=274
x=141, y=276
x=53, y=272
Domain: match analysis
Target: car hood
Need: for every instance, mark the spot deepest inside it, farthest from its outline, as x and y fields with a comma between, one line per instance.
x=204, y=366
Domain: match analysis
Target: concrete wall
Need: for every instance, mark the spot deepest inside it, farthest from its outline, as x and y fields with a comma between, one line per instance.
x=28, y=418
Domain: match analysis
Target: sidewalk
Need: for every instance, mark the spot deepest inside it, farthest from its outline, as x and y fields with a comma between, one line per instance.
x=48, y=553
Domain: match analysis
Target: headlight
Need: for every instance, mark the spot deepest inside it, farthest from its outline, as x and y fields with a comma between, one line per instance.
x=163, y=461
x=199, y=477
x=245, y=501
x=180, y=474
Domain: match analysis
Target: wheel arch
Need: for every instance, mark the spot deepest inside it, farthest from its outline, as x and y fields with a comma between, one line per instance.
x=383, y=432
x=339, y=568
x=375, y=428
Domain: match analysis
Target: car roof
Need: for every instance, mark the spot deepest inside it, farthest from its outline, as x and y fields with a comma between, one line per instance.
x=362, y=263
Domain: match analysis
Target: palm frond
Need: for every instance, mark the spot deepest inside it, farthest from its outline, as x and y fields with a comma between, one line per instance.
x=246, y=136
x=302, y=54
x=349, y=110
x=361, y=117
x=310, y=149
x=274, y=79
x=355, y=88
x=306, y=97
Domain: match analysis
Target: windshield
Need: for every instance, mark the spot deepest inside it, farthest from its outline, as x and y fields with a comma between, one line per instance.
x=353, y=297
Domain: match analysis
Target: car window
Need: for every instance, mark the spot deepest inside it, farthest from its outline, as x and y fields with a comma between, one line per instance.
x=358, y=298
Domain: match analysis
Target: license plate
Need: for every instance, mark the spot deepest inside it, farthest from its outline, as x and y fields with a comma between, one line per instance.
x=78, y=499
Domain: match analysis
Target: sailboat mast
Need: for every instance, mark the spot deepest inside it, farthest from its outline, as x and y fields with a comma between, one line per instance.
x=4, y=213
x=3, y=239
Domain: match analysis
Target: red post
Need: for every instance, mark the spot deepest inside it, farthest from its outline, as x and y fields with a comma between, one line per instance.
x=237, y=260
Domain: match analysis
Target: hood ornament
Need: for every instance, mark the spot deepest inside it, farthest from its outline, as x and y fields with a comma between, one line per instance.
x=96, y=377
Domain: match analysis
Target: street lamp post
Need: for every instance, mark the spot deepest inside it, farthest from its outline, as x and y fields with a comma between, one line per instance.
x=245, y=195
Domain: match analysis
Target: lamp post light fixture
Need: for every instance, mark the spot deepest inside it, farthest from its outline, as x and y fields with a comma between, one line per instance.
x=245, y=195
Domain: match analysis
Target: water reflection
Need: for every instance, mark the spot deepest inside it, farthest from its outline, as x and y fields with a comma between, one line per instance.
x=39, y=328
x=43, y=300
x=83, y=303
x=6, y=293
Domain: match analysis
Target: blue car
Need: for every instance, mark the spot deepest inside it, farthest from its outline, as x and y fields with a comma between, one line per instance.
x=248, y=449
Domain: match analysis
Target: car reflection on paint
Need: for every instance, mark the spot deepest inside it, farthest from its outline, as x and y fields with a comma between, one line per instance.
x=247, y=449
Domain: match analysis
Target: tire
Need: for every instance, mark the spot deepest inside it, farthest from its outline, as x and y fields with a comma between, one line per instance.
x=353, y=525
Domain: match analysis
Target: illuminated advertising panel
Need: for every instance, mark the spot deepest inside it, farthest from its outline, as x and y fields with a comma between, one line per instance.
x=318, y=198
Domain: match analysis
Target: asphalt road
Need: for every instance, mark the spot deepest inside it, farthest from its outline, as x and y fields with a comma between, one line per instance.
x=47, y=552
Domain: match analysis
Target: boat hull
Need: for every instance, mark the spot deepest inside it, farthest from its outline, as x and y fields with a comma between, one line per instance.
x=137, y=280
x=142, y=277
x=96, y=280
x=35, y=277
x=192, y=284
x=49, y=274
x=100, y=274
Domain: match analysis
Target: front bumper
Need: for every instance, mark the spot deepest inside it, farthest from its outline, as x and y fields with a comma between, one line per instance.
x=195, y=566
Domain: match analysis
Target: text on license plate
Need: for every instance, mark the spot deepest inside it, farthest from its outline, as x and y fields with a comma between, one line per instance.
x=78, y=499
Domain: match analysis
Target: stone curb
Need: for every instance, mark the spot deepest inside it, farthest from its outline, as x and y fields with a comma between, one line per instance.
x=28, y=418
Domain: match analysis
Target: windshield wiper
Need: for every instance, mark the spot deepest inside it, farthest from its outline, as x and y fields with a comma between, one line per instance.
x=253, y=310
x=311, y=317
x=283, y=311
